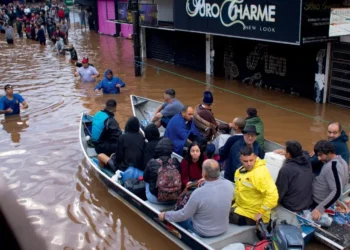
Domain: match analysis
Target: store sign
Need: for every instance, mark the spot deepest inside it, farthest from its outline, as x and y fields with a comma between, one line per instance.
x=340, y=22
x=123, y=12
x=273, y=20
x=315, y=24
x=149, y=14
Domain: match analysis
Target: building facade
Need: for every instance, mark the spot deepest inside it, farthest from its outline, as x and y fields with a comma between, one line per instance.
x=281, y=45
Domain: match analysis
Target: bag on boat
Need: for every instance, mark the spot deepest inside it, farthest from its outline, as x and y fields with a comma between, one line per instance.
x=136, y=186
x=130, y=173
x=185, y=196
x=168, y=181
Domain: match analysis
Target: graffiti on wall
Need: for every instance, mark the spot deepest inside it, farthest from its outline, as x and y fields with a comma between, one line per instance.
x=231, y=69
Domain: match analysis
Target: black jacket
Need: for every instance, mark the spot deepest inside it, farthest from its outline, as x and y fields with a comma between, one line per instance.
x=130, y=146
x=107, y=142
x=163, y=151
x=294, y=183
x=153, y=137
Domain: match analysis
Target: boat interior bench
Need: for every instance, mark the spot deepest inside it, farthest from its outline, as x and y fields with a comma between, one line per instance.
x=244, y=233
x=241, y=233
x=161, y=208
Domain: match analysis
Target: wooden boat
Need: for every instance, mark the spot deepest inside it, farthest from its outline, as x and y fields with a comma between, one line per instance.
x=143, y=108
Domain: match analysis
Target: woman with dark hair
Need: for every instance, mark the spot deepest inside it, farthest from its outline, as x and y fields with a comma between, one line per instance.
x=191, y=165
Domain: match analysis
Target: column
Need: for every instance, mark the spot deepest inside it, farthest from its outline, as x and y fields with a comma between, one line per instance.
x=143, y=42
x=209, y=54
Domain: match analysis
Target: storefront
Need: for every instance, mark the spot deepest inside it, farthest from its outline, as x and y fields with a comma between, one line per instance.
x=281, y=45
x=89, y=6
x=106, y=10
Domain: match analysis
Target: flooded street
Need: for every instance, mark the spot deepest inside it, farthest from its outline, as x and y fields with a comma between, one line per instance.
x=40, y=153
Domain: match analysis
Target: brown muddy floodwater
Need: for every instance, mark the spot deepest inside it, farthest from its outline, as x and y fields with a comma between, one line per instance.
x=40, y=153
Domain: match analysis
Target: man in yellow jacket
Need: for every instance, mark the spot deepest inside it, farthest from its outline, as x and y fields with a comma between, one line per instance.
x=255, y=194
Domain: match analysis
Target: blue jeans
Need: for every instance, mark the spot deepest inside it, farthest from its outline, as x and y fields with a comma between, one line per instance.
x=151, y=198
x=188, y=224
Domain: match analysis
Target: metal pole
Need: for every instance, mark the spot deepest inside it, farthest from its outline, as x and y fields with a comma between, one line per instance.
x=136, y=37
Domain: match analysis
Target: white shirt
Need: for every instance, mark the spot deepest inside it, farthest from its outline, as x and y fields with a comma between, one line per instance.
x=26, y=11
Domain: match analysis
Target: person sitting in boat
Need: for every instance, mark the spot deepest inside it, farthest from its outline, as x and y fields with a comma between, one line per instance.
x=105, y=129
x=254, y=119
x=153, y=137
x=191, y=165
x=163, y=152
x=294, y=181
x=202, y=215
x=167, y=110
x=130, y=148
x=10, y=102
x=249, y=139
x=110, y=84
x=237, y=125
x=87, y=72
x=255, y=193
x=339, y=139
x=328, y=186
x=181, y=130
x=204, y=118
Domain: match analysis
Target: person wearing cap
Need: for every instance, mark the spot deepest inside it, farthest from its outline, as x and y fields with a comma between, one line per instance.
x=168, y=109
x=110, y=84
x=105, y=129
x=255, y=191
x=87, y=72
x=204, y=118
x=253, y=119
x=249, y=139
x=10, y=103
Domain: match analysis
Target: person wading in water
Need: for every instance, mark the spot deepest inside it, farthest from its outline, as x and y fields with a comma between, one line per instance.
x=10, y=103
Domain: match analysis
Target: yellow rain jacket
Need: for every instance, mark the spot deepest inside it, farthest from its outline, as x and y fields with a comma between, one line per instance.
x=255, y=192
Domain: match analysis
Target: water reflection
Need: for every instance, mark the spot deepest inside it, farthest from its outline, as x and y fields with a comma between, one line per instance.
x=14, y=125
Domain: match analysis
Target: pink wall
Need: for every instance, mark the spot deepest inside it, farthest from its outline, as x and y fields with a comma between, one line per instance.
x=106, y=9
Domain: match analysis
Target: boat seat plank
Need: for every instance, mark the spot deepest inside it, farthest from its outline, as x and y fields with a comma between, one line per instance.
x=161, y=208
x=104, y=170
x=91, y=152
x=234, y=234
x=140, y=102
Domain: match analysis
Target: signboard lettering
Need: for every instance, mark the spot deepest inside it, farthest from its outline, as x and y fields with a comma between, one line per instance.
x=274, y=20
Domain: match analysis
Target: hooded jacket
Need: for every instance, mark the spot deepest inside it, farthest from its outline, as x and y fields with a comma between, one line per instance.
x=259, y=125
x=341, y=146
x=105, y=132
x=153, y=137
x=255, y=192
x=163, y=151
x=294, y=183
x=130, y=146
x=109, y=85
